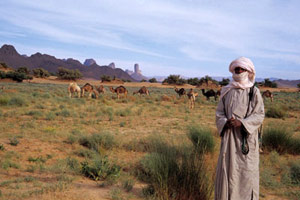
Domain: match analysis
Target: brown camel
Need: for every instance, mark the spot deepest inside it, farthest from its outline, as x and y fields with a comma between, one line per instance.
x=90, y=89
x=268, y=94
x=180, y=92
x=74, y=88
x=142, y=90
x=209, y=93
x=119, y=90
x=100, y=89
x=192, y=98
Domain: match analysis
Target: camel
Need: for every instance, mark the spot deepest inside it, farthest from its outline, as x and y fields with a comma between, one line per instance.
x=90, y=89
x=268, y=94
x=119, y=90
x=180, y=92
x=141, y=91
x=192, y=97
x=73, y=87
x=101, y=89
x=209, y=93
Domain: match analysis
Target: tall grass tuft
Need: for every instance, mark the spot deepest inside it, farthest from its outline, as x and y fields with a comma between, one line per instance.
x=276, y=112
x=202, y=139
x=98, y=141
x=278, y=138
x=177, y=173
x=295, y=172
x=100, y=169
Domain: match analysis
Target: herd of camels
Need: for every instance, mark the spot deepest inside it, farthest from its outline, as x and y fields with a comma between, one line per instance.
x=191, y=94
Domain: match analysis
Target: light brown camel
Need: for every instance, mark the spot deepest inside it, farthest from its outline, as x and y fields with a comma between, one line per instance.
x=119, y=90
x=73, y=87
x=192, y=97
x=181, y=92
x=101, y=89
x=268, y=94
x=142, y=90
x=90, y=89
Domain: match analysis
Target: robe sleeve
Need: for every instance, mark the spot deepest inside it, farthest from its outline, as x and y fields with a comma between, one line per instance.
x=221, y=118
x=256, y=117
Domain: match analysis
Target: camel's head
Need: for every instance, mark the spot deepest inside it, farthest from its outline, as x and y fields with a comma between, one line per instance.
x=111, y=89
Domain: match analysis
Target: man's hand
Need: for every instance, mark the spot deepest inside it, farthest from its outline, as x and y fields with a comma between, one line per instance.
x=234, y=123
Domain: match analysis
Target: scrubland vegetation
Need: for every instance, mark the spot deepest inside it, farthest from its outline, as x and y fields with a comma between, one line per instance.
x=148, y=147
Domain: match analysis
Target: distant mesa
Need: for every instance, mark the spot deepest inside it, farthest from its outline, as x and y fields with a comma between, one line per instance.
x=13, y=59
x=137, y=74
x=89, y=62
x=112, y=65
x=129, y=72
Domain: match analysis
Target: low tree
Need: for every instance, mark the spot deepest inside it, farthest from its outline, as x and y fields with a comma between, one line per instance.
x=225, y=81
x=68, y=74
x=298, y=85
x=143, y=80
x=152, y=80
x=193, y=81
x=174, y=79
x=4, y=65
x=40, y=73
x=268, y=83
x=105, y=78
x=23, y=70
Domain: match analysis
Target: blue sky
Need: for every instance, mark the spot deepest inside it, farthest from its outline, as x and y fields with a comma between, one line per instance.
x=186, y=37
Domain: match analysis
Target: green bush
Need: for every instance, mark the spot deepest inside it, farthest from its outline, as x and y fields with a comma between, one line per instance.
x=68, y=74
x=128, y=184
x=40, y=73
x=172, y=176
x=17, y=101
x=276, y=112
x=175, y=173
x=202, y=139
x=295, y=172
x=14, y=141
x=98, y=141
x=278, y=138
x=100, y=169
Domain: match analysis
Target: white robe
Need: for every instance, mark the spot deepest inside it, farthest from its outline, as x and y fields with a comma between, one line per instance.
x=237, y=174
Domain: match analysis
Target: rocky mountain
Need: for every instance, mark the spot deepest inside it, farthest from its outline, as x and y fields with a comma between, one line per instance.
x=89, y=62
x=112, y=65
x=10, y=56
x=287, y=83
x=137, y=74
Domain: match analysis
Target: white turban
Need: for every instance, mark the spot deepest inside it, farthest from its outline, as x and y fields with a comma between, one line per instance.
x=246, y=64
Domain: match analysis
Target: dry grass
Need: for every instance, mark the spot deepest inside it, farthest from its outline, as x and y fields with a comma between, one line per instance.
x=49, y=125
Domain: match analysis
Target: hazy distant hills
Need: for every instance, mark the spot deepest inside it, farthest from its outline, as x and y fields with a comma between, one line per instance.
x=12, y=58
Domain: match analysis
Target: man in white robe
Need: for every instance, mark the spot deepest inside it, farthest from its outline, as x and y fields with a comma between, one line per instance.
x=237, y=176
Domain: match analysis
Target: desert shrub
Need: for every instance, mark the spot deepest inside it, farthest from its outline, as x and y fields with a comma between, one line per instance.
x=40, y=73
x=6, y=164
x=68, y=74
x=295, y=172
x=123, y=112
x=2, y=147
x=152, y=80
x=277, y=138
x=100, y=168
x=173, y=175
x=295, y=145
x=14, y=141
x=17, y=76
x=4, y=100
x=128, y=184
x=50, y=116
x=174, y=79
x=35, y=113
x=17, y=101
x=276, y=112
x=268, y=179
x=98, y=141
x=64, y=113
x=105, y=78
x=86, y=153
x=202, y=139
